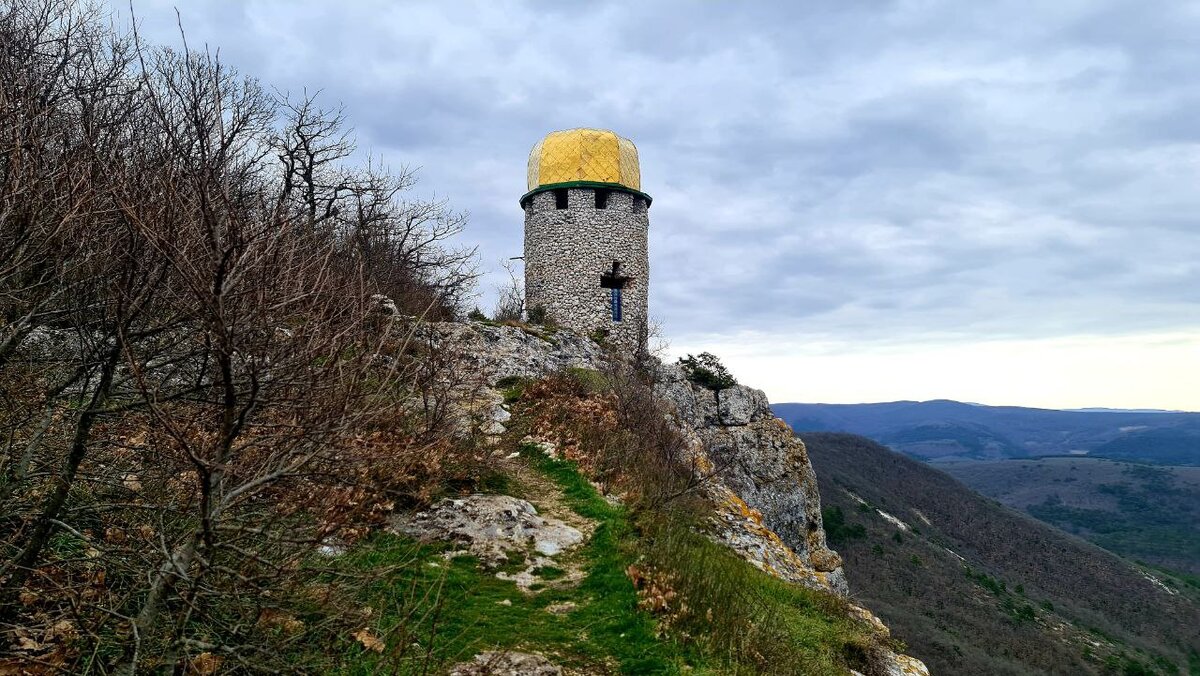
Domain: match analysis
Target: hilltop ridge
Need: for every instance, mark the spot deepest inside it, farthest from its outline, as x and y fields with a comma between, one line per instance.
x=944, y=430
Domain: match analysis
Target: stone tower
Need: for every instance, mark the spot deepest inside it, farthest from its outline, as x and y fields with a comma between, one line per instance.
x=586, y=257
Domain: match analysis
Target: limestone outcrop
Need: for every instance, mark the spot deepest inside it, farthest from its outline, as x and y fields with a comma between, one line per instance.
x=764, y=488
x=766, y=483
x=506, y=664
x=496, y=351
x=501, y=530
x=492, y=527
x=766, y=503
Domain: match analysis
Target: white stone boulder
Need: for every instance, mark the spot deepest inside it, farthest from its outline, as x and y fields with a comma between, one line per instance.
x=741, y=405
x=506, y=664
x=491, y=527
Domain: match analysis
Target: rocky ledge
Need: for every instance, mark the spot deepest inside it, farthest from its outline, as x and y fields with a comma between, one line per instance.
x=506, y=664
x=761, y=483
x=767, y=499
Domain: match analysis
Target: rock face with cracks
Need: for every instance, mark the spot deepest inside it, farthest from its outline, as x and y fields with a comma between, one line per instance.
x=764, y=488
x=491, y=527
x=767, y=490
x=496, y=351
x=766, y=504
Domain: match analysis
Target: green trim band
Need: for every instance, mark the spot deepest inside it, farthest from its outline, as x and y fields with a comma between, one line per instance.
x=585, y=184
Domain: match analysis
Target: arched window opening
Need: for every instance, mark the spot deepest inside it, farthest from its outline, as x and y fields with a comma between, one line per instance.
x=601, y=198
x=560, y=198
x=615, y=281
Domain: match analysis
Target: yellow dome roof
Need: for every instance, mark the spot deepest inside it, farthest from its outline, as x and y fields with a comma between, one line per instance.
x=584, y=155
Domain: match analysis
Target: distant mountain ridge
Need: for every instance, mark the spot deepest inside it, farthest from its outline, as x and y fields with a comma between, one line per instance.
x=1103, y=409
x=945, y=430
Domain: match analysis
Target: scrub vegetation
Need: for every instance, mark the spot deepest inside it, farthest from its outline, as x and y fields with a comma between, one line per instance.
x=658, y=597
x=209, y=364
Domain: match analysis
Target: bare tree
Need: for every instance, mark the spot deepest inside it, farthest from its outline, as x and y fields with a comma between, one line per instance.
x=402, y=244
x=199, y=381
x=510, y=305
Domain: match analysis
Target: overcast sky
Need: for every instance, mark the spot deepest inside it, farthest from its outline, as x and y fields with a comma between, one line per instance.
x=853, y=201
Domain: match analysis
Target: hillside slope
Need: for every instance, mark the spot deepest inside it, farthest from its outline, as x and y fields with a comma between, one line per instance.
x=951, y=430
x=1146, y=513
x=974, y=587
x=730, y=556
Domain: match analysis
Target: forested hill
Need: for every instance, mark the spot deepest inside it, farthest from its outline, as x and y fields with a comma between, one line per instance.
x=977, y=588
x=950, y=430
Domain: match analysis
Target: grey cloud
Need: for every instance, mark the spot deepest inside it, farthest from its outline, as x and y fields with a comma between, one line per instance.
x=863, y=170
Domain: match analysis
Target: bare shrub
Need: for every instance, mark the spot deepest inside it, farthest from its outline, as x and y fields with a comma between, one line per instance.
x=209, y=363
x=620, y=432
x=510, y=305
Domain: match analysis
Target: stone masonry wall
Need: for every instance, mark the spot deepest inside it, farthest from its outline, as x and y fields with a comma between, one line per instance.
x=566, y=251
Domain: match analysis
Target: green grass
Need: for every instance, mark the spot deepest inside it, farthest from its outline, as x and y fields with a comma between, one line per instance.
x=434, y=613
x=512, y=387
x=751, y=622
x=590, y=380
x=549, y=573
x=742, y=620
x=474, y=612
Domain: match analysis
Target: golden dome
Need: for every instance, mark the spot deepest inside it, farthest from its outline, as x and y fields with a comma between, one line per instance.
x=584, y=156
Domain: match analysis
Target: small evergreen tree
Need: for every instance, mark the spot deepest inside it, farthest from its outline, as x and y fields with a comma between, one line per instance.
x=707, y=371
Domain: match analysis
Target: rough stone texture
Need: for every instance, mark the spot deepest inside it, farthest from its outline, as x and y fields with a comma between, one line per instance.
x=759, y=462
x=764, y=465
x=741, y=406
x=492, y=352
x=566, y=251
x=506, y=664
x=483, y=353
x=767, y=507
x=492, y=527
x=906, y=665
x=740, y=527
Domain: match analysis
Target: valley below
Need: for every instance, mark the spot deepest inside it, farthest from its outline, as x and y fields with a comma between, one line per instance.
x=1127, y=481
x=944, y=430
x=1148, y=513
x=1010, y=540
x=974, y=584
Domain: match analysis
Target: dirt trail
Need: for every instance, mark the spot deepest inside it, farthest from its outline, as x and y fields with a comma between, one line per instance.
x=545, y=494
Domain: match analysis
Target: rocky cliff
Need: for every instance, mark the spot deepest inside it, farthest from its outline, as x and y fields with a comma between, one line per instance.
x=764, y=489
x=758, y=477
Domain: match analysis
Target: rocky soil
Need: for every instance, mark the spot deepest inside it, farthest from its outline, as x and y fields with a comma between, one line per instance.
x=501, y=531
x=506, y=664
x=763, y=488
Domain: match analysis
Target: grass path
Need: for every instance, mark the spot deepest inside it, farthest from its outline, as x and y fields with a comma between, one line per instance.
x=433, y=613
